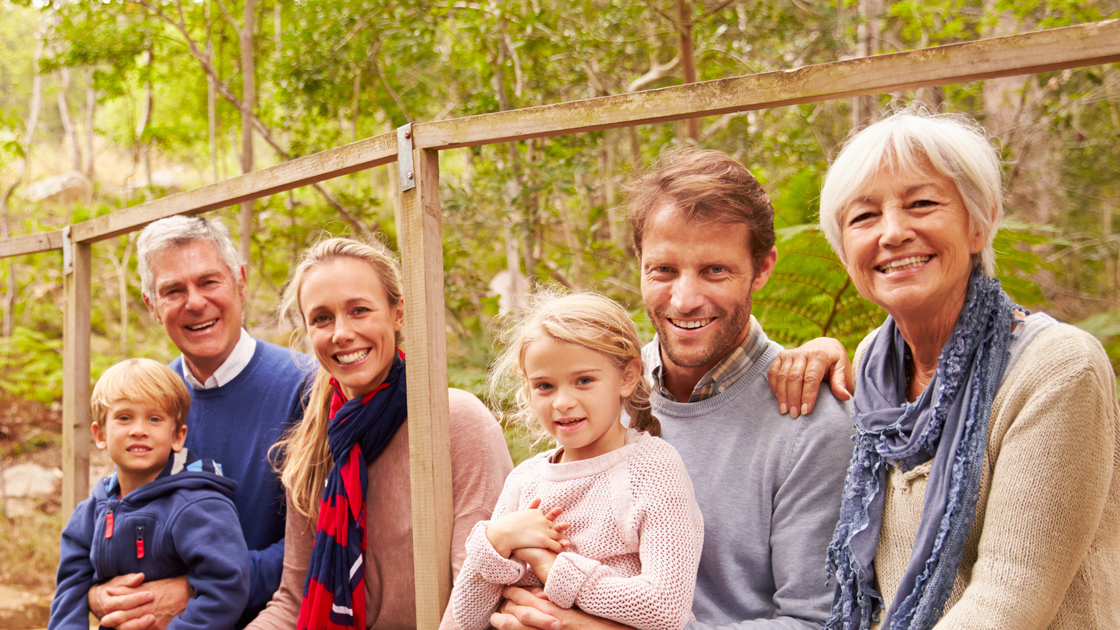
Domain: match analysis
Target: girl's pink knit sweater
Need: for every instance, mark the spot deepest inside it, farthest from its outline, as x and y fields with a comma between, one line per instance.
x=636, y=535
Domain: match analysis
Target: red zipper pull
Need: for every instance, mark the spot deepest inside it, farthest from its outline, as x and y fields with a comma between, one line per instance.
x=109, y=524
x=139, y=541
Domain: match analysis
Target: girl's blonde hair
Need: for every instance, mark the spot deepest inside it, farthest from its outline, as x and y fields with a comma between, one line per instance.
x=302, y=456
x=585, y=319
x=141, y=380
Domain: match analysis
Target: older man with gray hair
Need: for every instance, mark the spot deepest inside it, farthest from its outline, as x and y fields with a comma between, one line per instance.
x=244, y=393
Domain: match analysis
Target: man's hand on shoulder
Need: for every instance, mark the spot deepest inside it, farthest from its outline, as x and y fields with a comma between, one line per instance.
x=796, y=375
x=523, y=609
x=126, y=602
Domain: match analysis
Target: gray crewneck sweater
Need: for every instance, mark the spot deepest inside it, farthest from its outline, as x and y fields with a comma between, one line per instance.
x=769, y=488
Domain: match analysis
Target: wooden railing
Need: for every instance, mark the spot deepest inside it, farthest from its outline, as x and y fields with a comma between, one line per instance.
x=420, y=235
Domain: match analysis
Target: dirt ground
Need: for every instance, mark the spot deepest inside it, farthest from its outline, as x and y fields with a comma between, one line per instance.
x=31, y=433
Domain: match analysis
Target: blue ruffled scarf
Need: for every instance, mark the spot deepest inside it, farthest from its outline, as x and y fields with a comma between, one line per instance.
x=359, y=430
x=948, y=423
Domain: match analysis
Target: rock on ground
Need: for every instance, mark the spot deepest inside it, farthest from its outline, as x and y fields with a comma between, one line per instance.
x=66, y=188
x=20, y=610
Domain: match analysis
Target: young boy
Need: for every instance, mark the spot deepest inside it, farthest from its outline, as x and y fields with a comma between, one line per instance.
x=163, y=513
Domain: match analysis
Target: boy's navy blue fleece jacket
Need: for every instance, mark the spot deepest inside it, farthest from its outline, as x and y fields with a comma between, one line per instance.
x=182, y=523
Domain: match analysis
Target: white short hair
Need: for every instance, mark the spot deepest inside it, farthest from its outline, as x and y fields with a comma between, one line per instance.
x=180, y=230
x=953, y=145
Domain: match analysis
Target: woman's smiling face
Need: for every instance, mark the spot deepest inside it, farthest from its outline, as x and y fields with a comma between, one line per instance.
x=350, y=323
x=909, y=244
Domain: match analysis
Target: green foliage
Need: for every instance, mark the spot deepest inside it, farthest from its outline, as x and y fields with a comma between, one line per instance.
x=1106, y=328
x=809, y=293
x=32, y=365
x=1018, y=260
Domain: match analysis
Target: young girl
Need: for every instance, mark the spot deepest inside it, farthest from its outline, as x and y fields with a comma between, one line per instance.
x=630, y=544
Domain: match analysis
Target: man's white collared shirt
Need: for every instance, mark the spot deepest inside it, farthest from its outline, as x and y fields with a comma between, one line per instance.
x=227, y=371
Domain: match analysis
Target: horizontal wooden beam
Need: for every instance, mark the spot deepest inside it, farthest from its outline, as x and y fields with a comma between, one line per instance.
x=303, y=171
x=31, y=244
x=1055, y=49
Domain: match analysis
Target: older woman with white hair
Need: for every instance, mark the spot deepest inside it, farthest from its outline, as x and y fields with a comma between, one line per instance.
x=983, y=491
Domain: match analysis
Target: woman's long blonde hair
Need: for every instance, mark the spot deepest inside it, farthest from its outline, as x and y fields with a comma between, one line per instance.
x=590, y=320
x=302, y=456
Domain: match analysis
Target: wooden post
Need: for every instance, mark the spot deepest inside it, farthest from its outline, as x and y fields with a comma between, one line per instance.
x=429, y=441
x=75, y=380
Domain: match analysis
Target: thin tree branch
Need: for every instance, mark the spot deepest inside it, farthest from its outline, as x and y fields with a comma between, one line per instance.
x=516, y=65
x=657, y=71
x=224, y=89
x=225, y=12
x=594, y=79
x=714, y=9
x=719, y=125
x=663, y=14
x=389, y=88
x=361, y=22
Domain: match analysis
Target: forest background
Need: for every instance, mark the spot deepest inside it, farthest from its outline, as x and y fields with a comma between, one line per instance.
x=123, y=101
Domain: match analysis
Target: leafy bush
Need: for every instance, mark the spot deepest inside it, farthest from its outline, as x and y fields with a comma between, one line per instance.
x=31, y=366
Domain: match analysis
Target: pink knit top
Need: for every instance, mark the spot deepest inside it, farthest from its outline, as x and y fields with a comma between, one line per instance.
x=636, y=535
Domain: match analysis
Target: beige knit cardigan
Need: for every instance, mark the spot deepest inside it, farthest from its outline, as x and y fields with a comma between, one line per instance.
x=1044, y=551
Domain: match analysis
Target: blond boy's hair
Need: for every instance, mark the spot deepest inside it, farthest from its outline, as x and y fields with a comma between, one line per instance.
x=143, y=380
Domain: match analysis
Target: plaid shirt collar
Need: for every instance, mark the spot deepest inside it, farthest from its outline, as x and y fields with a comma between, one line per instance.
x=726, y=373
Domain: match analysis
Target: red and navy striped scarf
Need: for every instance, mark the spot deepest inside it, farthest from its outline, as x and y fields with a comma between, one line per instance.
x=360, y=429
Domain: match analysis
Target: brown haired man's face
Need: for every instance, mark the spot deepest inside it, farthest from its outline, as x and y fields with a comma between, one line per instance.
x=697, y=280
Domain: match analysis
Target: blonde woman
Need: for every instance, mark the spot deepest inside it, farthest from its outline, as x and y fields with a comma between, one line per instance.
x=345, y=466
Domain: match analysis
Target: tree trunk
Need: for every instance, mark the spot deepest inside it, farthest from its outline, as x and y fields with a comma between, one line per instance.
x=1011, y=104
x=356, y=110
x=5, y=218
x=690, y=127
x=226, y=92
x=248, y=101
x=515, y=184
x=123, y=275
x=571, y=239
x=869, y=32
x=276, y=24
x=635, y=149
x=142, y=156
x=211, y=102
x=614, y=222
x=67, y=122
x=91, y=106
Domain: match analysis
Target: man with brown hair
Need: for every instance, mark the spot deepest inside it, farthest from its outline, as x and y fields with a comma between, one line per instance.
x=769, y=486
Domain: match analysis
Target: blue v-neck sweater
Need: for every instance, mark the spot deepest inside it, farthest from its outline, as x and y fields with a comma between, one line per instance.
x=235, y=425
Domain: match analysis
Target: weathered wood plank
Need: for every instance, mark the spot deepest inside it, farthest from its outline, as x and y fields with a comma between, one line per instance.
x=1054, y=49
x=303, y=171
x=429, y=441
x=75, y=381
x=31, y=244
